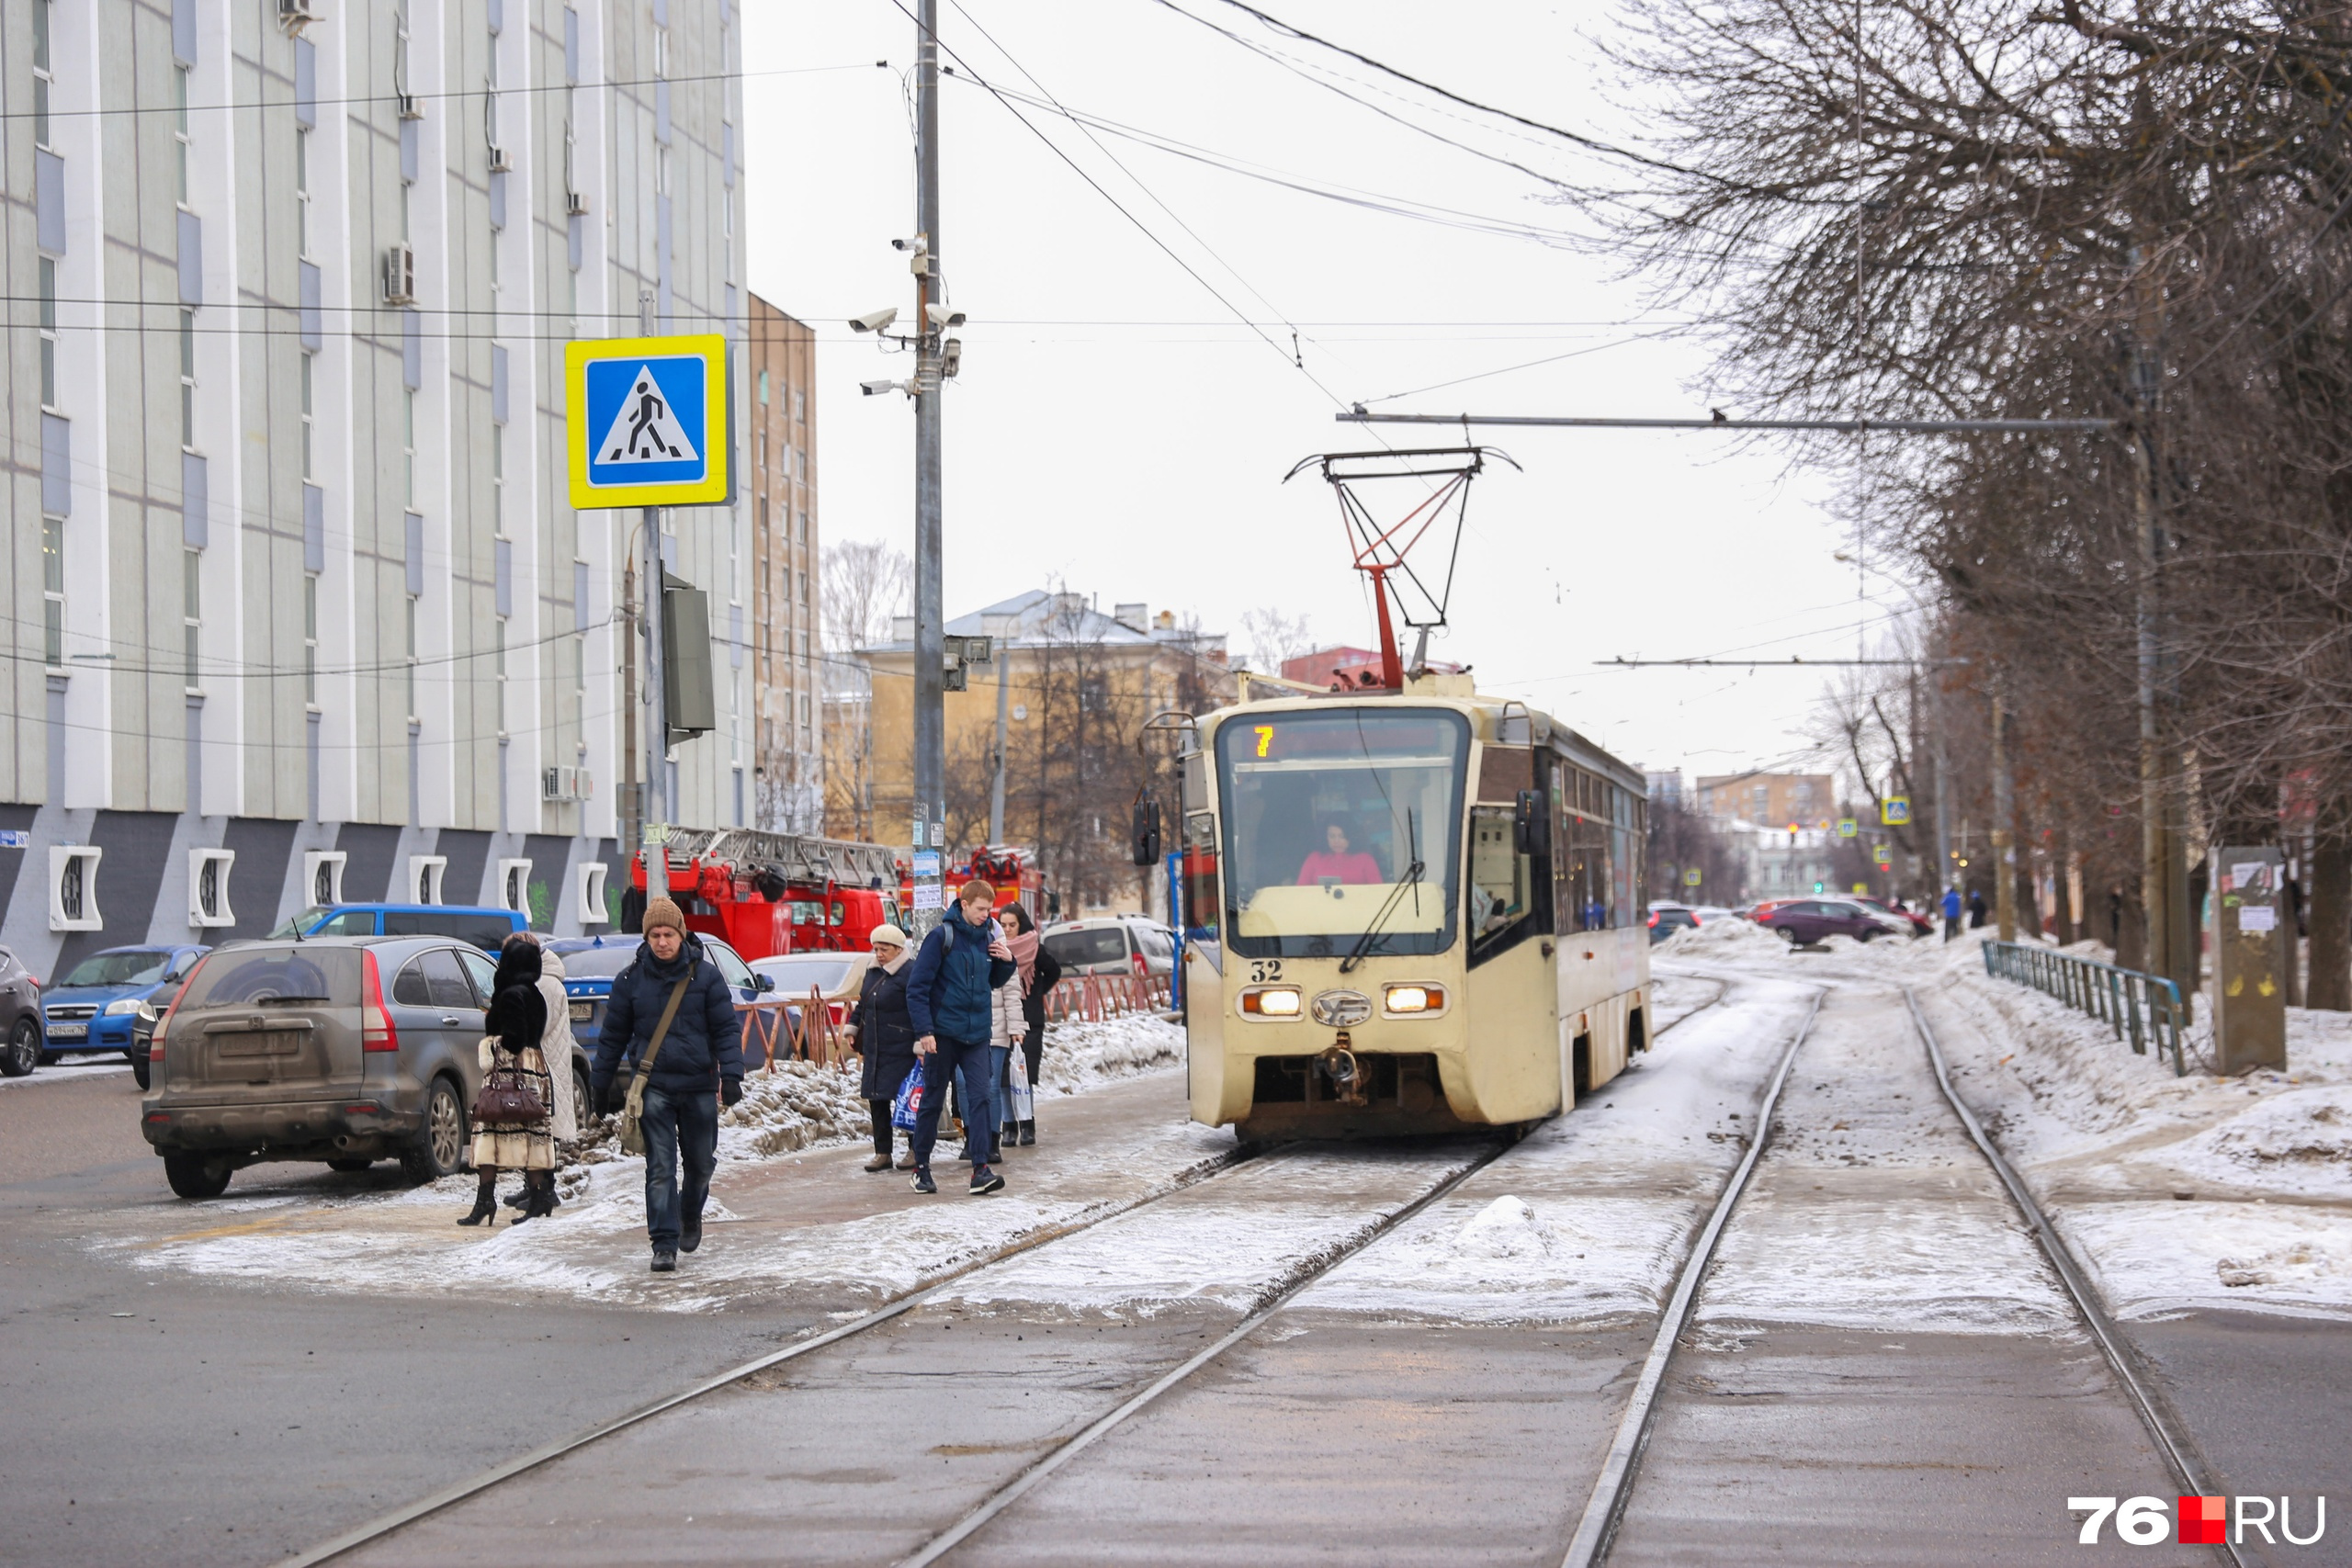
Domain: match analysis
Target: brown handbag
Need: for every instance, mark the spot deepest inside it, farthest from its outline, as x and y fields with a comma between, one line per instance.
x=507, y=1099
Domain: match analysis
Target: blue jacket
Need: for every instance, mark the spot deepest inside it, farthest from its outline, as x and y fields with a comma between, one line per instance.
x=1952, y=903
x=949, y=985
x=706, y=1040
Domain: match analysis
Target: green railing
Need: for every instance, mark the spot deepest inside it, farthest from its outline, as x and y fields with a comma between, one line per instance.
x=2143, y=1005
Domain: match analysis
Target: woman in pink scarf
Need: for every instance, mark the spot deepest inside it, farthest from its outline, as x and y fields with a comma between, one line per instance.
x=1038, y=974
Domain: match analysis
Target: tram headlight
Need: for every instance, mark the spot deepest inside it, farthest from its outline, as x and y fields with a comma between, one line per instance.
x=1281, y=1001
x=1414, y=998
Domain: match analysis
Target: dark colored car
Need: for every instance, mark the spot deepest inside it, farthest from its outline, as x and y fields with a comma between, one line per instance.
x=342, y=1050
x=591, y=962
x=98, y=1005
x=1806, y=920
x=20, y=1032
x=1668, y=919
x=478, y=924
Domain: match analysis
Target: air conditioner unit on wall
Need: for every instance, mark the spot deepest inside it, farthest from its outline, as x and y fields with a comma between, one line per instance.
x=498, y=164
x=560, y=784
x=295, y=15
x=400, y=275
x=575, y=204
x=411, y=106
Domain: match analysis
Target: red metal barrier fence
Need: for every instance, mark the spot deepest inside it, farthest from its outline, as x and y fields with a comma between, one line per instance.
x=807, y=1034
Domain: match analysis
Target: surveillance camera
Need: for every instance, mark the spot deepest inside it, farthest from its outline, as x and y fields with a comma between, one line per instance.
x=919, y=244
x=871, y=388
x=873, y=321
x=951, y=357
x=944, y=316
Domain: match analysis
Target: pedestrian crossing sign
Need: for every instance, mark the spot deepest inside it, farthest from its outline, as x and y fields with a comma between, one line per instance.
x=648, y=421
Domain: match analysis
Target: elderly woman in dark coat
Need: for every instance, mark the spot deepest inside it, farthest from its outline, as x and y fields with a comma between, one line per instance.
x=884, y=1035
x=518, y=1020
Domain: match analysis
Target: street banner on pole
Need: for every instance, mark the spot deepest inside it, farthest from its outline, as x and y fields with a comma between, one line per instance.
x=648, y=421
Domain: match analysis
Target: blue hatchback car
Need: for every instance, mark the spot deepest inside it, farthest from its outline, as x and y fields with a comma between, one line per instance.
x=591, y=962
x=94, y=1008
x=482, y=925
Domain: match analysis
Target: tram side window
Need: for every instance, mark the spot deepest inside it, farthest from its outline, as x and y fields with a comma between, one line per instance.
x=1498, y=875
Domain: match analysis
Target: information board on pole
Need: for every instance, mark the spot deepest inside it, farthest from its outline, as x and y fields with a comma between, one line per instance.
x=649, y=421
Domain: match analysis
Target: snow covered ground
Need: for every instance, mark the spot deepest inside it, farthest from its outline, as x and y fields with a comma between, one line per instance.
x=2179, y=1193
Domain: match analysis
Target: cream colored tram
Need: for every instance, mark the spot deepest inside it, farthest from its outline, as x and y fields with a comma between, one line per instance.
x=1425, y=908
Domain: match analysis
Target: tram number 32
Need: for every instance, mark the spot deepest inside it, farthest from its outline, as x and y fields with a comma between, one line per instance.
x=1264, y=969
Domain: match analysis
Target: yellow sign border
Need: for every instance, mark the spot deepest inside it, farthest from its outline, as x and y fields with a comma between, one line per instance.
x=1887, y=811
x=717, y=487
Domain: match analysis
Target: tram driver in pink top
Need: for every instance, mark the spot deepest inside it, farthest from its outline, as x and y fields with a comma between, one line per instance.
x=1336, y=864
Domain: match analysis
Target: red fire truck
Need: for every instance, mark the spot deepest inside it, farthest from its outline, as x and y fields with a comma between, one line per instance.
x=775, y=893
x=1011, y=869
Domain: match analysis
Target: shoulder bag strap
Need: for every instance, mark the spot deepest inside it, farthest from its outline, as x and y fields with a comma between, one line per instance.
x=661, y=1030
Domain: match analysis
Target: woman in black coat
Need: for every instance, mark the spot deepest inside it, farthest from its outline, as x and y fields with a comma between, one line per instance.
x=883, y=1035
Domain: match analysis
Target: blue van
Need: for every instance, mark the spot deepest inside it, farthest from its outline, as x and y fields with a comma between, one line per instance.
x=483, y=927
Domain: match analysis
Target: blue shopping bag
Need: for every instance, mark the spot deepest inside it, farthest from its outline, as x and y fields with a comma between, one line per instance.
x=908, y=1105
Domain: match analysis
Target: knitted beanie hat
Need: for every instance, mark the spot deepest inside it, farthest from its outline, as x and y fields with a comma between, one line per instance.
x=665, y=912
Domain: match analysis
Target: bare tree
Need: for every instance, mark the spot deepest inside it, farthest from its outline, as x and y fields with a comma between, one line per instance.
x=867, y=584
x=1275, y=637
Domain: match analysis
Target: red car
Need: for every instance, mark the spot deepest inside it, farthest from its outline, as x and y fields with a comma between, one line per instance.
x=1806, y=920
x=1920, y=924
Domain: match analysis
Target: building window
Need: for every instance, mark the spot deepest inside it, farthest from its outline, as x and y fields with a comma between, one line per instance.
x=763, y=389
x=408, y=447
x=41, y=74
x=187, y=391
x=804, y=526
x=799, y=407
x=52, y=577
x=179, y=127
x=412, y=658
x=301, y=187
x=310, y=639
x=308, y=361
x=191, y=610
x=48, y=321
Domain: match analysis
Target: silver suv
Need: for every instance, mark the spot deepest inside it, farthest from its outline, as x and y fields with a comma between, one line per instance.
x=1111, y=945
x=344, y=1050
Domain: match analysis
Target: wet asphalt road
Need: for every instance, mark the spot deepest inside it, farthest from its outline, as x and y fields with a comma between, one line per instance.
x=229, y=1424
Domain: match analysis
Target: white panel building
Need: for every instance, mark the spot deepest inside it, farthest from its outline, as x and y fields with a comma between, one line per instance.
x=292, y=575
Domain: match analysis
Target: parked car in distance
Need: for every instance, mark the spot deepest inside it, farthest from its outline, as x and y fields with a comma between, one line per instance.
x=476, y=924
x=1111, y=945
x=20, y=1021
x=1804, y=921
x=341, y=1050
x=1911, y=923
x=837, y=977
x=1668, y=919
x=96, y=1006
x=591, y=962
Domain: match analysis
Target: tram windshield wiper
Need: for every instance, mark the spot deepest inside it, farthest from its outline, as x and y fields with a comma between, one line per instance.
x=1411, y=882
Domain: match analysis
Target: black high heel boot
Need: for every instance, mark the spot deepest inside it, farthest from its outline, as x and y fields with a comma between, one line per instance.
x=485, y=1202
x=539, y=1196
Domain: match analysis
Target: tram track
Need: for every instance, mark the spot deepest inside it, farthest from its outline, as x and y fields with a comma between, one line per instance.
x=1269, y=1301
x=1605, y=1510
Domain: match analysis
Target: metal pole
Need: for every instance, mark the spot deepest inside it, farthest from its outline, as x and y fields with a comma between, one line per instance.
x=2154, y=885
x=1001, y=661
x=930, y=653
x=657, y=717
x=2004, y=882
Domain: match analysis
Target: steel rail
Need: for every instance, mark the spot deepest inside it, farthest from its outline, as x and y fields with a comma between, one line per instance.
x=2164, y=1425
x=1014, y=1490
x=1606, y=1507
x=458, y=1492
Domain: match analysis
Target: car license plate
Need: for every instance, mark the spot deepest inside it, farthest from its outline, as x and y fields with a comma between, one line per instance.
x=583, y=1011
x=69, y=1031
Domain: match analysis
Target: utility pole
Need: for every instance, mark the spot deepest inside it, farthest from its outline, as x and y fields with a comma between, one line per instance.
x=657, y=715
x=930, y=655
x=996, y=785
x=2005, y=883
x=2164, y=880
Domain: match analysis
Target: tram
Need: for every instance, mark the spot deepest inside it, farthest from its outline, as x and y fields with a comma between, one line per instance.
x=1423, y=913
x=1409, y=907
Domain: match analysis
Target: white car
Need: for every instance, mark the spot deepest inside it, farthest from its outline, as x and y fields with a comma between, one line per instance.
x=1111, y=945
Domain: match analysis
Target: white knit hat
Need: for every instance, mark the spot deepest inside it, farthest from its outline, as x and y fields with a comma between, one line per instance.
x=886, y=933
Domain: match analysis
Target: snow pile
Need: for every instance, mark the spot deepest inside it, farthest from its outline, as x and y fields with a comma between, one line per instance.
x=1725, y=937
x=1504, y=1228
x=799, y=1105
x=2305, y=1260
x=1080, y=1055
x=2301, y=1140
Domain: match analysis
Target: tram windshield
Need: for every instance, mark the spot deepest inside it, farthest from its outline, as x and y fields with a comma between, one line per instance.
x=1341, y=830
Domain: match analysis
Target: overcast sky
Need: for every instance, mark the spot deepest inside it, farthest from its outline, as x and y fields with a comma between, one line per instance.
x=1119, y=429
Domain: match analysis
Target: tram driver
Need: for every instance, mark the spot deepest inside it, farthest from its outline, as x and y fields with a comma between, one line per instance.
x=1335, y=865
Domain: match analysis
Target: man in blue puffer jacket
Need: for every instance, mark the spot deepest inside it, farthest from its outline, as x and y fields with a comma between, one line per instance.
x=700, y=1063
x=948, y=999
